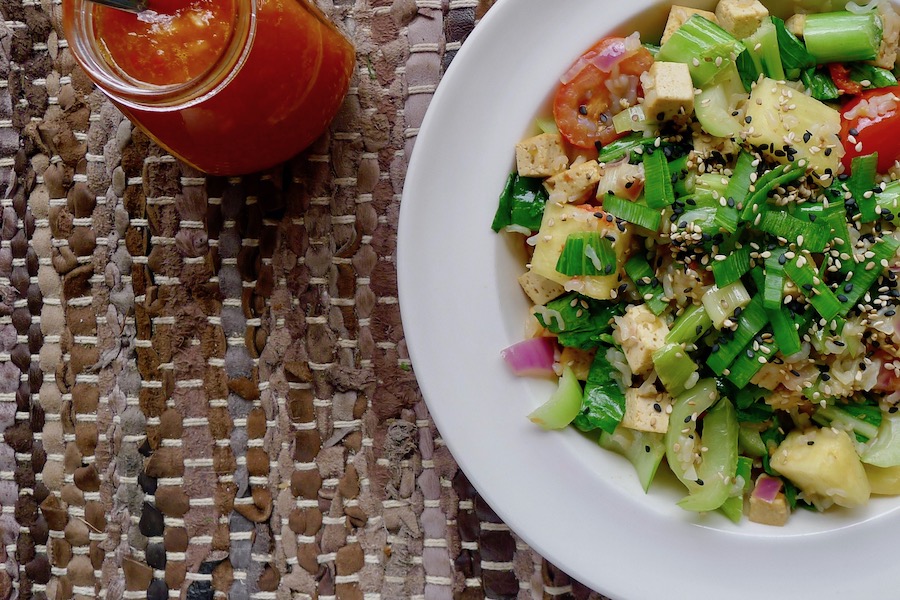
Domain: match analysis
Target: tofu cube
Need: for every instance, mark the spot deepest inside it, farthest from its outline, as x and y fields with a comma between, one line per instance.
x=578, y=360
x=775, y=512
x=741, y=18
x=646, y=411
x=541, y=156
x=668, y=91
x=678, y=15
x=640, y=333
x=575, y=184
x=538, y=288
x=795, y=25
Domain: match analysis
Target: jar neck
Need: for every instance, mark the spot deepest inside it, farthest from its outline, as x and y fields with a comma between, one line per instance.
x=78, y=20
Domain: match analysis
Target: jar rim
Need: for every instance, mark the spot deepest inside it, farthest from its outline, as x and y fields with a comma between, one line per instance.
x=159, y=98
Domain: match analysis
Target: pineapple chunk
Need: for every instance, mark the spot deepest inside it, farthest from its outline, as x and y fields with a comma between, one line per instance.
x=824, y=464
x=578, y=360
x=559, y=221
x=781, y=117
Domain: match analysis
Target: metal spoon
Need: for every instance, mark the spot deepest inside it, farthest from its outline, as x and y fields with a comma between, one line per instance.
x=135, y=6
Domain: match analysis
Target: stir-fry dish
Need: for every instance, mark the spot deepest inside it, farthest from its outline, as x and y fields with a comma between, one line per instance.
x=712, y=227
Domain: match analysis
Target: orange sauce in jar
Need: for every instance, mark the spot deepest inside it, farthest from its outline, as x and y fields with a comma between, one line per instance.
x=228, y=86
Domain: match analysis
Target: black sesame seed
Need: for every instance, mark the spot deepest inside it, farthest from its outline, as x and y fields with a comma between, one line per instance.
x=582, y=109
x=853, y=131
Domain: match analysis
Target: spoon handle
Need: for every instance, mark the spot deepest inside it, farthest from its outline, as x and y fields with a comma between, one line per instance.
x=129, y=5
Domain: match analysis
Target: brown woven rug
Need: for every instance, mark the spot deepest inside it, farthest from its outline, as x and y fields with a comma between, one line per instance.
x=204, y=387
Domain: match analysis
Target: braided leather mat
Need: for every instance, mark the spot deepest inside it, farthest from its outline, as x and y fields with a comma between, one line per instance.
x=204, y=387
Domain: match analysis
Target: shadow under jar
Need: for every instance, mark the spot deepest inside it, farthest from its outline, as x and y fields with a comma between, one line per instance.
x=228, y=86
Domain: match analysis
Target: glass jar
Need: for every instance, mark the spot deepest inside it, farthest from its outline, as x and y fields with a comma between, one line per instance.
x=228, y=86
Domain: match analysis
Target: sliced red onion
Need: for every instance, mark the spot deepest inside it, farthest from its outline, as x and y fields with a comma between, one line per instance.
x=766, y=488
x=534, y=356
x=605, y=60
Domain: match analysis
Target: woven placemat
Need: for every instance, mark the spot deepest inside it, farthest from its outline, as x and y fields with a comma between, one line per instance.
x=204, y=386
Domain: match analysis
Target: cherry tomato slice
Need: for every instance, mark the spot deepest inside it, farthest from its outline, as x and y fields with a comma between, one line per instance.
x=581, y=106
x=878, y=130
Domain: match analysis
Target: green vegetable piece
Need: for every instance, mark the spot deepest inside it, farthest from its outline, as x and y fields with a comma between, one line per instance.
x=603, y=403
x=841, y=418
x=674, y=367
x=733, y=507
x=563, y=406
x=528, y=200
x=643, y=449
x=730, y=343
x=579, y=321
x=637, y=213
x=657, y=180
x=703, y=46
x=683, y=179
x=718, y=465
x=842, y=36
x=682, y=439
x=763, y=48
x=502, y=217
x=784, y=329
x=587, y=253
x=866, y=273
x=871, y=77
x=885, y=450
x=635, y=143
x=647, y=284
x=794, y=56
x=689, y=325
x=768, y=181
x=888, y=201
x=819, y=84
x=749, y=362
x=773, y=286
x=750, y=404
x=861, y=184
x=801, y=272
x=736, y=192
x=750, y=441
x=735, y=266
x=812, y=236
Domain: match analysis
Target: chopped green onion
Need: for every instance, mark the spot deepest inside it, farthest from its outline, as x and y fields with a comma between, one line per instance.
x=683, y=179
x=748, y=363
x=842, y=36
x=735, y=266
x=587, y=253
x=806, y=234
x=801, y=272
x=730, y=343
x=635, y=142
x=657, y=180
x=866, y=273
x=888, y=200
x=720, y=303
x=863, y=170
x=689, y=325
x=703, y=46
x=647, y=284
x=674, y=367
x=784, y=329
x=768, y=181
x=773, y=285
x=736, y=191
x=637, y=213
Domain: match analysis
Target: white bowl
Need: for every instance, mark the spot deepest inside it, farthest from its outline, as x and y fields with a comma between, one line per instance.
x=578, y=505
